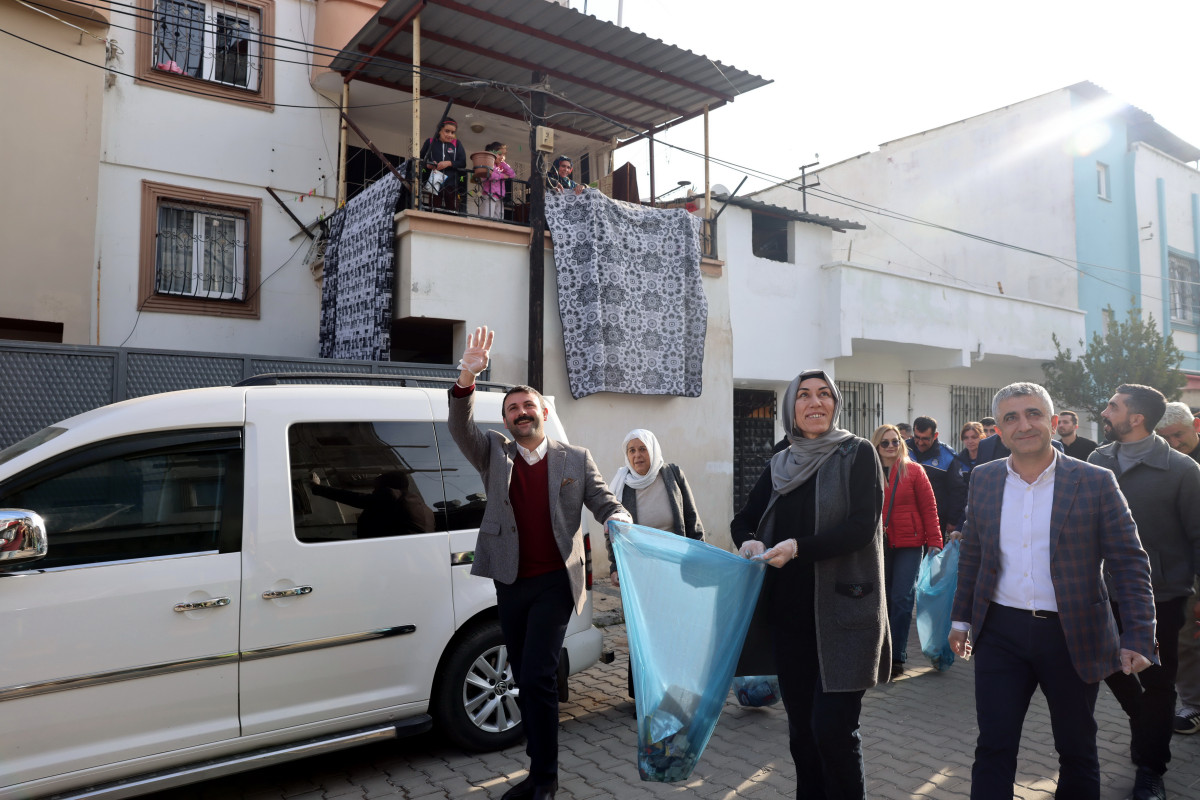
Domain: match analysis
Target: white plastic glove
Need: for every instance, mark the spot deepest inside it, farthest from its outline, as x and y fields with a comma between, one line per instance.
x=620, y=516
x=781, y=553
x=475, y=357
x=751, y=548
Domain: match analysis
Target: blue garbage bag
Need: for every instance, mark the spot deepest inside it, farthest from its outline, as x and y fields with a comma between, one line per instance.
x=937, y=580
x=687, y=609
x=756, y=691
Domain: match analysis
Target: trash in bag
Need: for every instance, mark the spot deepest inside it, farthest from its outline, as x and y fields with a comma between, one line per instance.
x=756, y=691
x=937, y=580
x=687, y=608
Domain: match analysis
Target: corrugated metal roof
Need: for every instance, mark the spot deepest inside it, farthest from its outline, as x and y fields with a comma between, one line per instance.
x=604, y=80
x=782, y=212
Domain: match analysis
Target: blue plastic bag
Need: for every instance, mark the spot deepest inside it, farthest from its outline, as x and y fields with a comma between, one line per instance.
x=756, y=691
x=687, y=609
x=937, y=580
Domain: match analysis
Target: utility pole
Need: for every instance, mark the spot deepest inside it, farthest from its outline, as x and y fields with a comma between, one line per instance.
x=537, y=235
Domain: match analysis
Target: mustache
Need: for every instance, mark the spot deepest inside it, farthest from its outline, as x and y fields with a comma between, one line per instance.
x=524, y=418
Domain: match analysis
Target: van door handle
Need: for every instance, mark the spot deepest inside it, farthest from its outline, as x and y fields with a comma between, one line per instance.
x=216, y=602
x=298, y=591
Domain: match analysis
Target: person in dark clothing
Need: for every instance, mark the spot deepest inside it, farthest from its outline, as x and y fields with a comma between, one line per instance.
x=558, y=179
x=445, y=154
x=971, y=435
x=815, y=514
x=941, y=465
x=1074, y=445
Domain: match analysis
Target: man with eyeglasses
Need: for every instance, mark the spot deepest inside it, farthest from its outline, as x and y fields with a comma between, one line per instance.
x=944, y=471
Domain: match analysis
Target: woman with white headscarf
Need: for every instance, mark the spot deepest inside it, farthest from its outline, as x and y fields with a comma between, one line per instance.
x=815, y=514
x=655, y=493
x=658, y=494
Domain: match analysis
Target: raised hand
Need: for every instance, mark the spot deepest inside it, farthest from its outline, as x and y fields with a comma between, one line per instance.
x=475, y=357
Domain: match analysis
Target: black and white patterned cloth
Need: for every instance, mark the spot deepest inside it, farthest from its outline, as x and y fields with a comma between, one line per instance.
x=633, y=309
x=356, y=295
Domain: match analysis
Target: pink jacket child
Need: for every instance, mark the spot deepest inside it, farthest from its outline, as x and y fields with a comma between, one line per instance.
x=493, y=184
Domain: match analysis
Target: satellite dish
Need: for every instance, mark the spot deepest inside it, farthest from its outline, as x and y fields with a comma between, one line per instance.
x=719, y=188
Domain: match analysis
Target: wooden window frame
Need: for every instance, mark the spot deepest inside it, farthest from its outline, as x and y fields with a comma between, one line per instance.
x=261, y=98
x=148, y=297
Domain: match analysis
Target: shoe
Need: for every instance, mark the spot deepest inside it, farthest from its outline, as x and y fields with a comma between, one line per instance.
x=1187, y=721
x=897, y=669
x=522, y=791
x=1148, y=785
x=545, y=791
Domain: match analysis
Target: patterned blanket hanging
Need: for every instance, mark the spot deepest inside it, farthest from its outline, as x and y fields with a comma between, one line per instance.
x=356, y=295
x=633, y=309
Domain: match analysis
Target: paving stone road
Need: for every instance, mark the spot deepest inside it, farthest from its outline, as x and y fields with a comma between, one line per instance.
x=918, y=732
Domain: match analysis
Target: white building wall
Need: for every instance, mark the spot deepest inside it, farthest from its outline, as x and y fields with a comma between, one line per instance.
x=1002, y=175
x=157, y=134
x=487, y=283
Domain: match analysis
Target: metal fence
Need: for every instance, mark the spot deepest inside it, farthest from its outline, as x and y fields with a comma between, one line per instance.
x=45, y=383
x=862, y=407
x=967, y=404
x=753, y=438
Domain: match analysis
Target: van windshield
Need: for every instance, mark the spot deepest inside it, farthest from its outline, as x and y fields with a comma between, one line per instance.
x=30, y=442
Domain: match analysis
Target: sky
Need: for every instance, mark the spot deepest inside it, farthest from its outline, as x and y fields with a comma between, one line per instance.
x=851, y=75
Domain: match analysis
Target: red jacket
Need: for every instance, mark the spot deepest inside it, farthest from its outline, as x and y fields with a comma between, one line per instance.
x=914, y=521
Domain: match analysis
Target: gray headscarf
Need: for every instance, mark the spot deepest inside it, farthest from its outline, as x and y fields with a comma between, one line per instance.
x=795, y=465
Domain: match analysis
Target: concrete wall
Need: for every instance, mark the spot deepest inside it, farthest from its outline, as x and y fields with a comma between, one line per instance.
x=1000, y=175
x=481, y=282
x=187, y=140
x=1166, y=194
x=51, y=130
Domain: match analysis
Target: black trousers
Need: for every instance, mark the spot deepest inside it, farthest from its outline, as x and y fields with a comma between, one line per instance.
x=823, y=728
x=1016, y=653
x=1148, y=698
x=534, y=613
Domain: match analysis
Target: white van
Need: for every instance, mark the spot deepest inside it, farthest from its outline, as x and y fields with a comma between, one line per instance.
x=237, y=576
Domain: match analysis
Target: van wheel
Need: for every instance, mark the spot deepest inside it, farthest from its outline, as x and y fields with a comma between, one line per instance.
x=476, y=698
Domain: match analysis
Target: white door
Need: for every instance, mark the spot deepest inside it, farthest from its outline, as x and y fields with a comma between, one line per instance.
x=122, y=642
x=346, y=604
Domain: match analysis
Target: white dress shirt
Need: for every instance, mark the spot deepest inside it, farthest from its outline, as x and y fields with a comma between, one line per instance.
x=536, y=454
x=1024, y=581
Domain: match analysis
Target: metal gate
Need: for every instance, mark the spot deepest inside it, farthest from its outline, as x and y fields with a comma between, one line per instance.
x=967, y=404
x=753, y=439
x=862, y=407
x=45, y=383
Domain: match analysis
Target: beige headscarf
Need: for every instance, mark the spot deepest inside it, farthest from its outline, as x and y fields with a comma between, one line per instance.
x=792, y=467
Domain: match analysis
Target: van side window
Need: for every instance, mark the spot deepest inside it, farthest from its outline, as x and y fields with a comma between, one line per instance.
x=136, y=498
x=363, y=480
x=465, y=495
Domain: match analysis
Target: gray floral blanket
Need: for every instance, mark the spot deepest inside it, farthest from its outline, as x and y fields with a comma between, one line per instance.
x=633, y=309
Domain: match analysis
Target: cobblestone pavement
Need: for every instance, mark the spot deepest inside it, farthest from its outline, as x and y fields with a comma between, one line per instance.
x=918, y=734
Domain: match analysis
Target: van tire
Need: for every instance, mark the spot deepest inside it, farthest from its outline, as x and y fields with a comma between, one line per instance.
x=469, y=708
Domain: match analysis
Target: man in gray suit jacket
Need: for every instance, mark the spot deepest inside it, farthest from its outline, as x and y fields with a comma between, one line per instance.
x=531, y=544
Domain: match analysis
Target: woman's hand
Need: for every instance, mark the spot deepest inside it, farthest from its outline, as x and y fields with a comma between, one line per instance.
x=781, y=553
x=751, y=548
x=953, y=536
x=444, y=164
x=613, y=579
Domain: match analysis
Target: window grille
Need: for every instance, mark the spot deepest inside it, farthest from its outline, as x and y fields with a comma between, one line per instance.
x=201, y=252
x=1185, y=289
x=216, y=42
x=862, y=407
x=967, y=404
x=753, y=439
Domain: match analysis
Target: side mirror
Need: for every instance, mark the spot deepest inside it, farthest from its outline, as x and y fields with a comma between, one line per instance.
x=22, y=538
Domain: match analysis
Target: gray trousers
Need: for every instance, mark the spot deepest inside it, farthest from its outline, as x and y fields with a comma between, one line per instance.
x=1187, y=682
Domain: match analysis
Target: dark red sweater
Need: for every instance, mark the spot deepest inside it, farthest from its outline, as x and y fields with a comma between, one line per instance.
x=529, y=493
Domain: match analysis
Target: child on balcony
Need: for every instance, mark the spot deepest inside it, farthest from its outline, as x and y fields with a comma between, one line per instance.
x=493, y=188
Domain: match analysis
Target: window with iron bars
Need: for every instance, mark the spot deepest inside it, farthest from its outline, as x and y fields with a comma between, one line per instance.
x=218, y=42
x=967, y=404
x=201, y=252
x=1185, y=289
x=862, y=407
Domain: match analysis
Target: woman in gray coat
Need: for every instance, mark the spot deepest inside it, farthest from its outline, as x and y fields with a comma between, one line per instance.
x=815, y=514
x=655, y=493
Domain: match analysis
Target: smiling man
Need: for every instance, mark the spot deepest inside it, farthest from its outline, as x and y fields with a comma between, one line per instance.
x=1163, y=490
x=531, y=544
x=1038, y=528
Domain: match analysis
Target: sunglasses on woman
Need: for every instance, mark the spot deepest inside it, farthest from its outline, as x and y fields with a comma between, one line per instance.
x=890, y=443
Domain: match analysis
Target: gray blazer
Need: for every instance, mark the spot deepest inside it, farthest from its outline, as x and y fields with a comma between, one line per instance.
x=574, y=480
